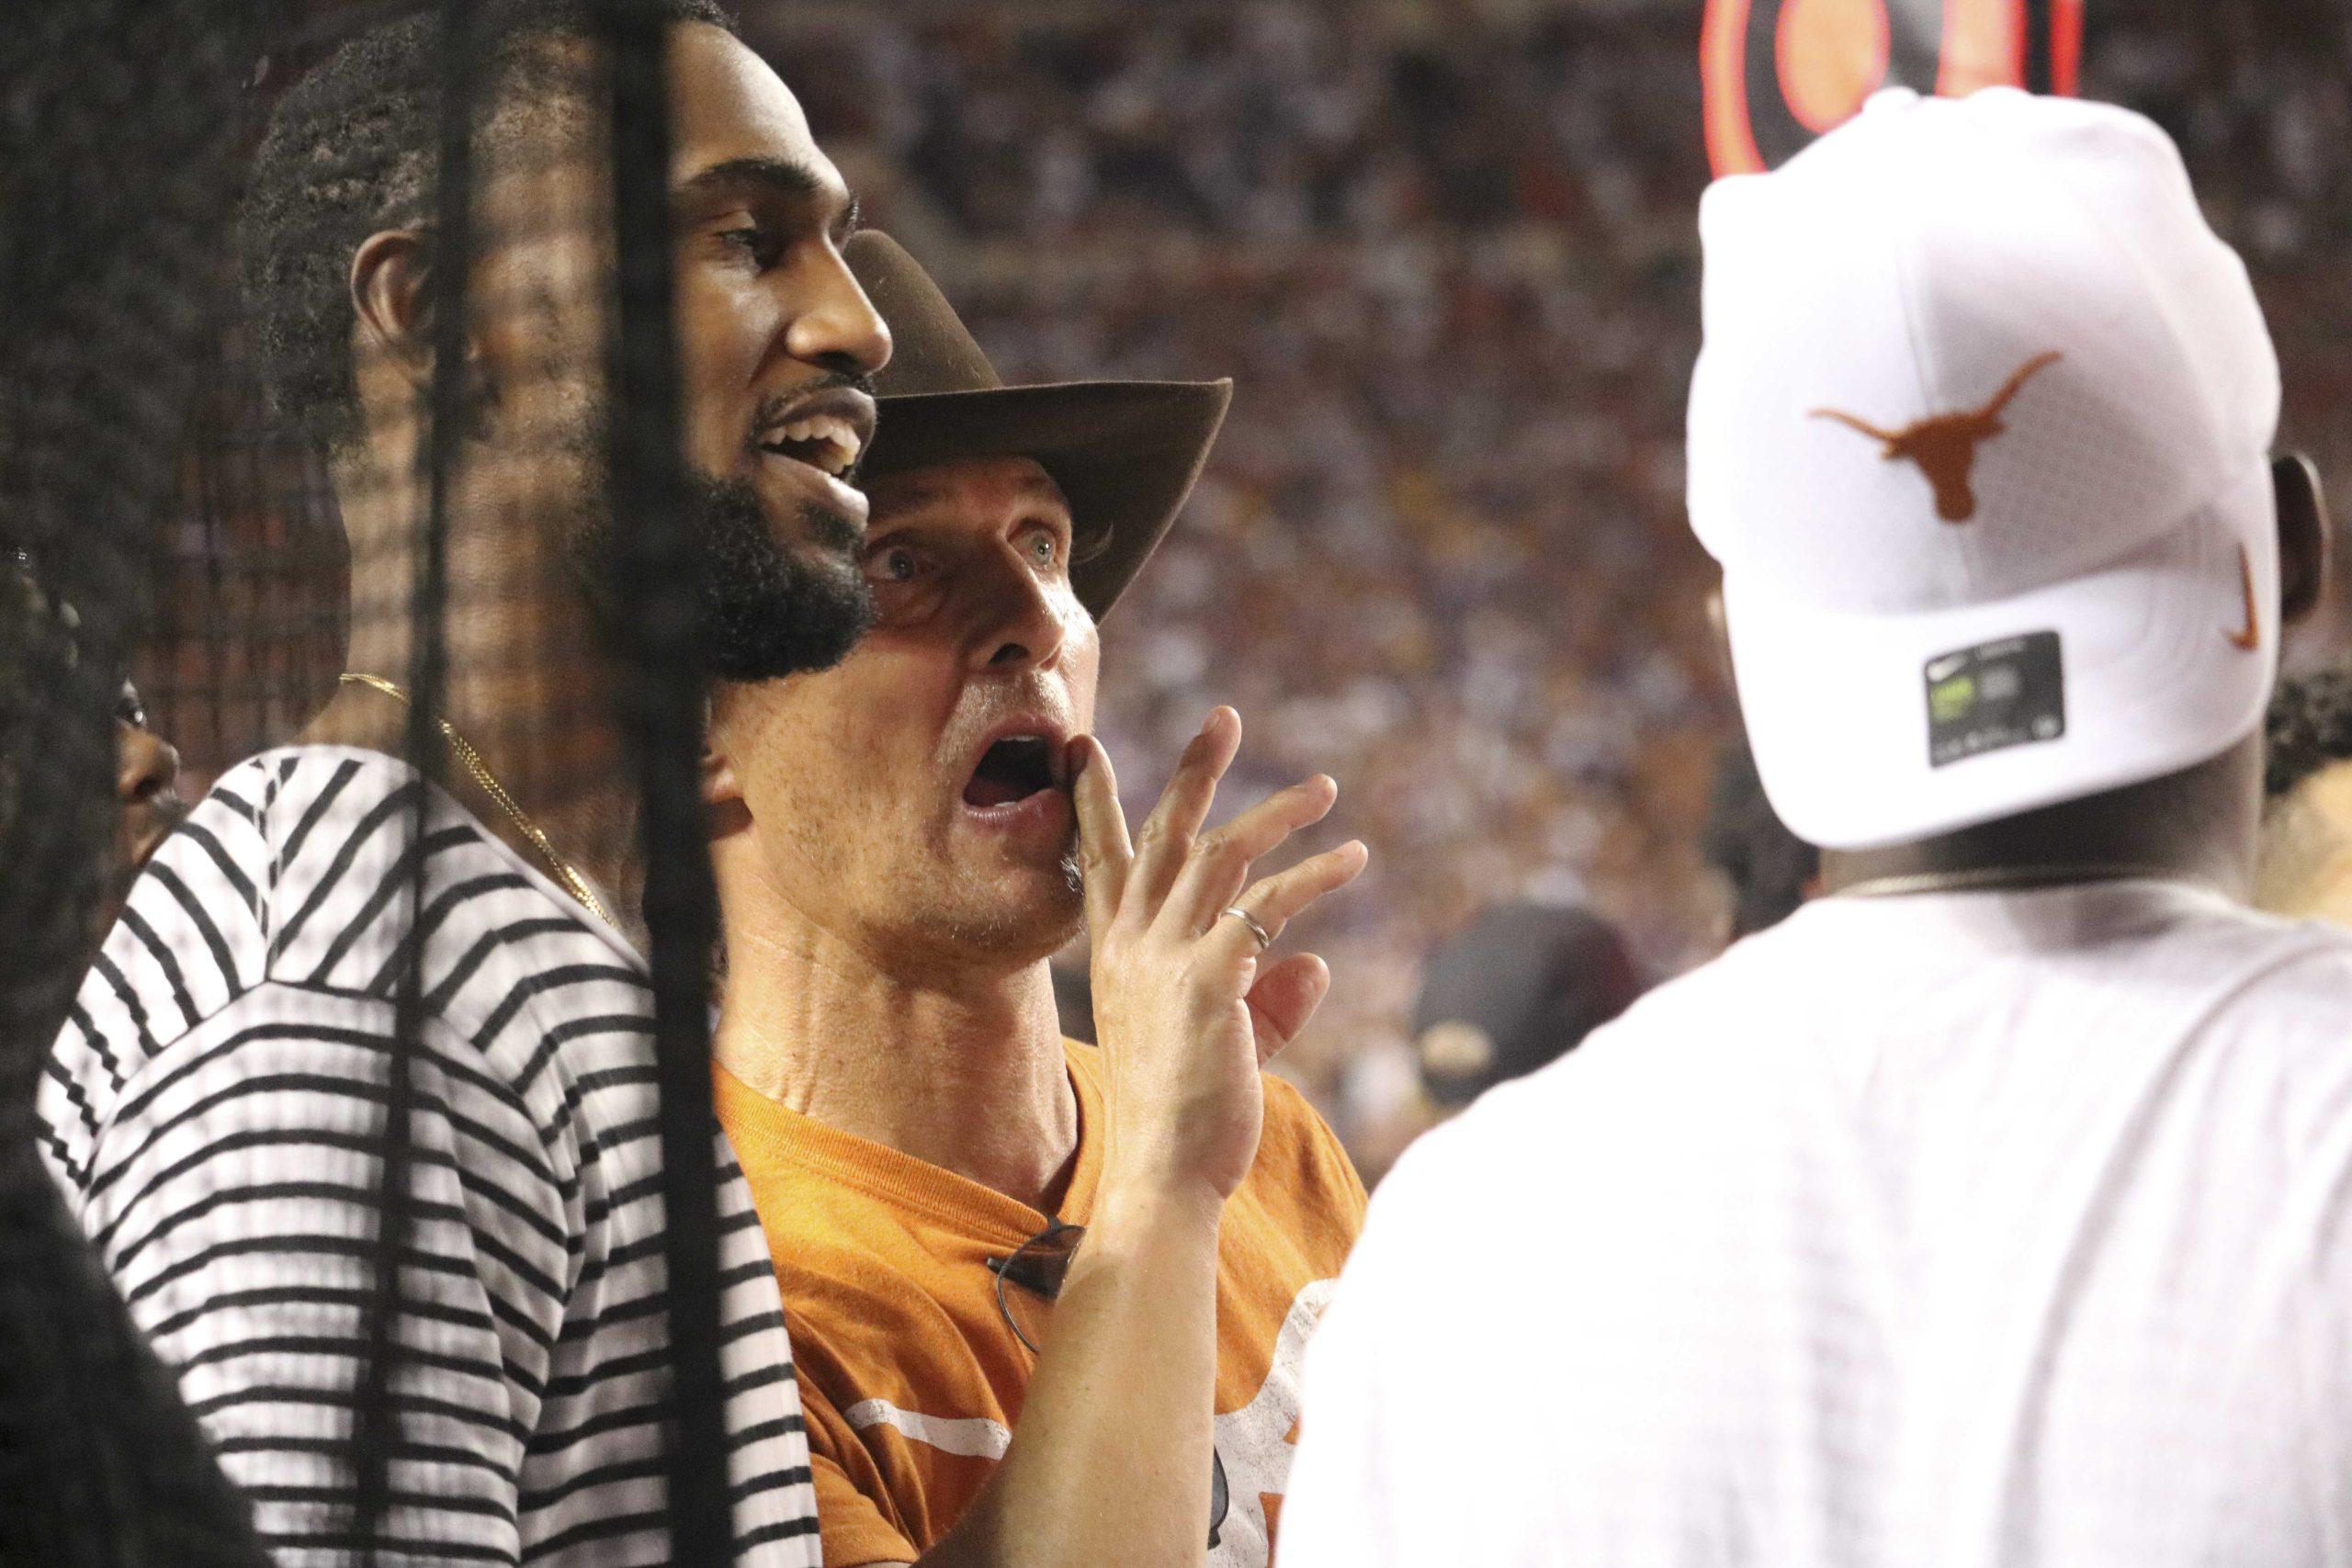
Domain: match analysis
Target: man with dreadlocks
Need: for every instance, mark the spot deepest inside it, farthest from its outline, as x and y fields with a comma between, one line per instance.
x=218, y=1106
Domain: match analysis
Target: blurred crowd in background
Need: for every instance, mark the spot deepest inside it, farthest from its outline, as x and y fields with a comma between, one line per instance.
x=1448, y=252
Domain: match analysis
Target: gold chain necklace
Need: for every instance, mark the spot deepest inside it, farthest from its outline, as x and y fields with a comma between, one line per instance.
x=574, y=883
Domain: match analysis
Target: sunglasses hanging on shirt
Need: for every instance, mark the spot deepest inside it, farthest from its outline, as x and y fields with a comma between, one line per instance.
x=1036, y=1270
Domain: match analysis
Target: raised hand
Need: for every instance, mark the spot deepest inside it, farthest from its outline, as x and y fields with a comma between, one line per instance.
x=1186, y=1006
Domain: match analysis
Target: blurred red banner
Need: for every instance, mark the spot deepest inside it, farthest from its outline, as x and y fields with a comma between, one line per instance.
x=1779, y=73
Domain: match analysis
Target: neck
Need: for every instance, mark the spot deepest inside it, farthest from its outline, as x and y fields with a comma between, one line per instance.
x=964, y=1071
x=2199, y=824
x=523, y=683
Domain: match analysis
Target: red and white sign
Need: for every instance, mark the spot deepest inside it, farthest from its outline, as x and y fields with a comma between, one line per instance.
x=1779, y=73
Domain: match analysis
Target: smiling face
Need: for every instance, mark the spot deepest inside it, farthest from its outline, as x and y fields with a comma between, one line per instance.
x=776, y=342
x=915, y=800
x=776, y=339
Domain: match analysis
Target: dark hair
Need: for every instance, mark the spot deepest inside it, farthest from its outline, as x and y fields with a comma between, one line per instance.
x=1531, y=980
x=351, y=150
x=2309, y=727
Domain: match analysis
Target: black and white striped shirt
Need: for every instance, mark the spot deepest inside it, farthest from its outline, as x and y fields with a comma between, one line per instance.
x=214, y=1109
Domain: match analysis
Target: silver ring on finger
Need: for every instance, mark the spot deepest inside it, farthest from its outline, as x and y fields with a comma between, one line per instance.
x=1264, y=938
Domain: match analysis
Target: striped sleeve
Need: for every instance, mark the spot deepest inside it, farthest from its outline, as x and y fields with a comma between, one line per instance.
x=233, y=1195
x=190, y=942
x=214, y=1110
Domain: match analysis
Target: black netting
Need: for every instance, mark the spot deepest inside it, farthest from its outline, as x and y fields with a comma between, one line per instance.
x=110, y=289
x=209, y=496
x=1439, y=551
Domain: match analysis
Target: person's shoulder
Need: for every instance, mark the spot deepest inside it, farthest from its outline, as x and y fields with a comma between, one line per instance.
x=279, y=884
x=1291, y=1117
x=290, y=792
x=2270, y=1046
x=193, y=934
x=1299, y=1146
x=1464, y=1179
x=1709, y=1017
x=2233, y=930
x=1621, y=1097
x=2245, y=966
x=2283, y=988
x=507, y=956
x=222, y=862
x=274, y=825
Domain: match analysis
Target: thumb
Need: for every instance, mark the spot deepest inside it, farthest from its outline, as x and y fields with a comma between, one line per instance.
x=1285, y=999
x=1104, y=853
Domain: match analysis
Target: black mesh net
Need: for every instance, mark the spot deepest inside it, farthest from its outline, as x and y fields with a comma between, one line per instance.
x=313, y=318
x=330, y=487
x=99, y=1462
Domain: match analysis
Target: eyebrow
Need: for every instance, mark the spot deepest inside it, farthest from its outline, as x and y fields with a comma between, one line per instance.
x=918, y=494
x=780, y=177
x=1045, y=487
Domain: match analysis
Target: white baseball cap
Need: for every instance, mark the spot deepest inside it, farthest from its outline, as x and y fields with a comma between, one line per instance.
x=1981, y=437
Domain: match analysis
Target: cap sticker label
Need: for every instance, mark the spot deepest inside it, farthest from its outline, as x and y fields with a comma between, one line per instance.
x=1993, y=696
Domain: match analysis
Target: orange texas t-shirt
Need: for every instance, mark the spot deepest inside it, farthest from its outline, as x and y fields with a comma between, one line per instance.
x=910, y=1379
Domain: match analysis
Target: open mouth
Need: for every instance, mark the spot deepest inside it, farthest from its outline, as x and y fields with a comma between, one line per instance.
x=828, y=430
x=1011, y=771
x=827, y=442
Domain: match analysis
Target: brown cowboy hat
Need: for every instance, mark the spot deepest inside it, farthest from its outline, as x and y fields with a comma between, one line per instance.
x=1124, y=453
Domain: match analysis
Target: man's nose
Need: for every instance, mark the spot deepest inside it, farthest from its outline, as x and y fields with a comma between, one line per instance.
x=838, y=326
x=1026, y=629
x=147, y=766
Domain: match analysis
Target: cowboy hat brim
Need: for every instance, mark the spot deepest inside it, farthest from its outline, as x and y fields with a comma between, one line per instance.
x=1126, y=455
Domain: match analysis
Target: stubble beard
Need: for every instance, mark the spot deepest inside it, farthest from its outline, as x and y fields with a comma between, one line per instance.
x=1022, y=936
x=958, y=911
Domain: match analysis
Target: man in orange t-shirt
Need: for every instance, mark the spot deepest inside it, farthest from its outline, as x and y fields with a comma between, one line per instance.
x=911, y=1373
x=1048, y=1302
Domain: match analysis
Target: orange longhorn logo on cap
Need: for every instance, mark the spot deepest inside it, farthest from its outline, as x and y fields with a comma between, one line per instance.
x=1945, y=445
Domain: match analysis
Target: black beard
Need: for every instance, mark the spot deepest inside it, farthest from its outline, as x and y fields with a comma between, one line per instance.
x=762, y=611
x=765, y=611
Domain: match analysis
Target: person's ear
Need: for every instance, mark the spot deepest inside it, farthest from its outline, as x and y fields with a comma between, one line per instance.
x=724, y=807
x=391, y=301
x=2303, y=542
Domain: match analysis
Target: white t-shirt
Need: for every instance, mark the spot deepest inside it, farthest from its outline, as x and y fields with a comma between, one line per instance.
x=1945, y=1232
x=214, y=1111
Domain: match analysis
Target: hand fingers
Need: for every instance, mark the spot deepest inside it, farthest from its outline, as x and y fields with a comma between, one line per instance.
x=1219, y=864
x=1283, y=1000
x=1278, y=899
x=1166, y=837
x=1104, y=853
